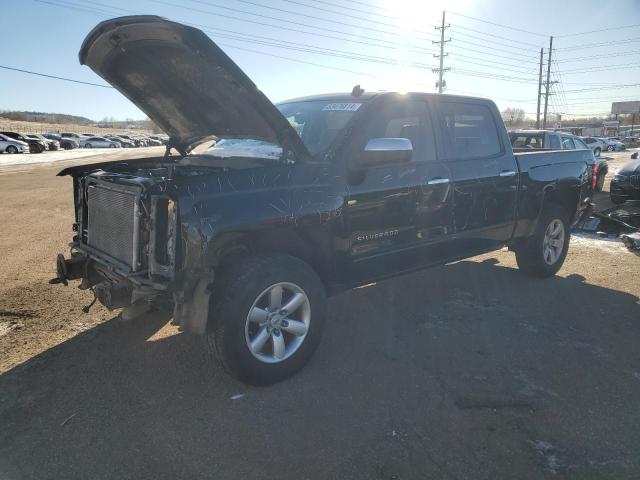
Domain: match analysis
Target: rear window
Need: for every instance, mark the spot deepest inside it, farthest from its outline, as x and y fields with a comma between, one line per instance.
x=469, y=130
x=527, y=141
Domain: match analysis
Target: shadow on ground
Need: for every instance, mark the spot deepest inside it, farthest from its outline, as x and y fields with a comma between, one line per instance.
x=466, y=371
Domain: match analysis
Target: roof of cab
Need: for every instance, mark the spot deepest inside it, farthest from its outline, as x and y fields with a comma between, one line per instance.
x=345, y=96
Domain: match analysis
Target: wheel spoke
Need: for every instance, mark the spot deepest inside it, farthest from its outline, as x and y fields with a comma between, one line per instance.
x=278, y=344
x=294, y=327
x=294, y=304
x=275, y=297
x=258, y=342
x=258, y=315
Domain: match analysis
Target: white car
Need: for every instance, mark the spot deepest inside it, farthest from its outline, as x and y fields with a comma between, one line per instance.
x=11, y=145
x=613, y=144
x=97, y=142
x=595, y=144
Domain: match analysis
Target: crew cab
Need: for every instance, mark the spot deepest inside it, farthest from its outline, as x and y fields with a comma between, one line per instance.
x=266, y=210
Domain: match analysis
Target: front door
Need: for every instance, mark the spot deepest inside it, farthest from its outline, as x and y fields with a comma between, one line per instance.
x=392, y=212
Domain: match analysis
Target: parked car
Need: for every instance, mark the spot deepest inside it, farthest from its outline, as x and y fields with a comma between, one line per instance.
x=524, y=140
x=136, y=141
x=51, y=144
x=35, y=145
x=246, y=238
x=11, y=145
x=67, y=143
x=98, y=142
x=152, y=142
x=75, y=136
x=625, y=184
x=160, y=138
x=122, y=141
x=595, y=144
x=613, y=144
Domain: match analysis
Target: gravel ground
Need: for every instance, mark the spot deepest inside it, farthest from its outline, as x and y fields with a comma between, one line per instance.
x=467, y=371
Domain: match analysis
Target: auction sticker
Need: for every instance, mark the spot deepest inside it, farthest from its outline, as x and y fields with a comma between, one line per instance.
x=342, y=107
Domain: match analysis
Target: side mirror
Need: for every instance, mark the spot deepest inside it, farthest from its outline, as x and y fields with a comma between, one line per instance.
x=385, y=151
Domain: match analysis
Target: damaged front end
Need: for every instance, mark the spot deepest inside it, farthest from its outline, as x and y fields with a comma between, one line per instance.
x=126, y=245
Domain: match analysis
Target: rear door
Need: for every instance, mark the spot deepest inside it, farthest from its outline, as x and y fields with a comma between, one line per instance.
x=484, y=174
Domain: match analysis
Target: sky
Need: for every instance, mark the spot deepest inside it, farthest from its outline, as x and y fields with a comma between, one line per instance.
x=292, y=48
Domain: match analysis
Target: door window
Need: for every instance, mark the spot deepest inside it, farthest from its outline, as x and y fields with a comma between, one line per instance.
x=579, y=143
x=469, y=130
x=404, y=119
x=554, y=142
x=567, y=143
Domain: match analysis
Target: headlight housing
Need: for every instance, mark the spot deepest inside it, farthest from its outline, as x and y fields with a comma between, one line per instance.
x=620, y=178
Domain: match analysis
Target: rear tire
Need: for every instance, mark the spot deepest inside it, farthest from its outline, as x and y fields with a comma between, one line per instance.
x=597, y=152
x=88, y=145
x=600, y=183
x=289, y=338
x=543, y=254
x=617, y=200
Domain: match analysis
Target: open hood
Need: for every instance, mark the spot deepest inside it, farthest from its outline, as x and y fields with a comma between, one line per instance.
x=184, y=82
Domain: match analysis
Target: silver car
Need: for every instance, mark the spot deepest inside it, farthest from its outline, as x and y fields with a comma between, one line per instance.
x=10, y=145
x=97, y=142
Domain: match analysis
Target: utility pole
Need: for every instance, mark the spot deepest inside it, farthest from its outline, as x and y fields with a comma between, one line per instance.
x=548, y=83
x=539, y=88
x=442, y=41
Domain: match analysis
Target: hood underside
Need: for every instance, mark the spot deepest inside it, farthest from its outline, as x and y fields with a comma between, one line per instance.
x=184, y=82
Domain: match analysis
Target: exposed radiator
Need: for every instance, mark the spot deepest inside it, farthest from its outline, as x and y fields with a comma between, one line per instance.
x=112, y=223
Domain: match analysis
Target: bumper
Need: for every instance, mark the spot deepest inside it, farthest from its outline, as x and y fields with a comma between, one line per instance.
x=112, y=289
x=623, y=191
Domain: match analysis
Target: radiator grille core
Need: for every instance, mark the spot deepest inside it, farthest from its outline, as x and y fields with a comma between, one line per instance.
x=635, y=181
x=111, y=223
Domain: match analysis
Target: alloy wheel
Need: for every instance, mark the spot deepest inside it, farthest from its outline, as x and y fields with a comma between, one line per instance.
x=553, y=242
x=278, y=322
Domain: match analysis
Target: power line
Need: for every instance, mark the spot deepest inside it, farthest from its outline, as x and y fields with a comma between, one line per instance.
x=313, y=17
x=600, y=30
x=604, y=55
x=54, y=76
x=380, y=43
x=490, y=35
x=600, y=44
x=497, y=24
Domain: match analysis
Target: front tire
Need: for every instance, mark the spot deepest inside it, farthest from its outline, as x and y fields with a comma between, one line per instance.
x=268, y=318
x=597, y=152
x=543, y=254
x=88, y=145
x=611, y=148
x=11, y=149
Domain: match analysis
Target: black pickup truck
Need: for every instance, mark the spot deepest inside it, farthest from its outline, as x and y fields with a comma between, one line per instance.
x=268, y=209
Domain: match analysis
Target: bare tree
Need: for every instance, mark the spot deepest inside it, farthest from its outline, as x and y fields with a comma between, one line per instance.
x=513, y=117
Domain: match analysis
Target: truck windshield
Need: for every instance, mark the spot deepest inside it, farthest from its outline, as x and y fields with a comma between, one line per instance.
x=319, y=122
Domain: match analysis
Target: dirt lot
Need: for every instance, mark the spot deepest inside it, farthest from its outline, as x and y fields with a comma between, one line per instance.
x=471, y=370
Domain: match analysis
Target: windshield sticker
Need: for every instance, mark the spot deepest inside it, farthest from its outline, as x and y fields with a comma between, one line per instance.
x=342, y=107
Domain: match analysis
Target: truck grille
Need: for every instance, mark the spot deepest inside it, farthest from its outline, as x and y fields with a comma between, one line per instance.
x=111, y=223
x=635, y=181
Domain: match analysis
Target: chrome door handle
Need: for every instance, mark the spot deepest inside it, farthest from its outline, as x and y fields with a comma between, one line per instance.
x=438, y=181
x=507, y=173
